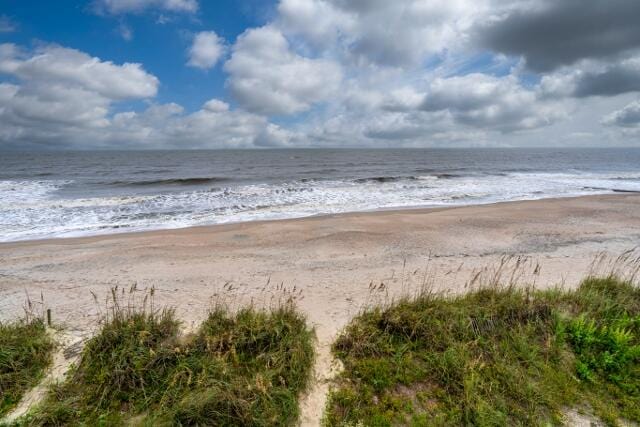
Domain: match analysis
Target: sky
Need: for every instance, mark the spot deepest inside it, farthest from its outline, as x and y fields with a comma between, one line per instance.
x=196, y=74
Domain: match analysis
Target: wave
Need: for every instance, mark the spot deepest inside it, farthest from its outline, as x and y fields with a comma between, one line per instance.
x=171, y=181
x=615, y=190
x=36, y=209
x=15, y=194
x=386, y=179
x=144, y=171
x=627, y=178
x=383, y=179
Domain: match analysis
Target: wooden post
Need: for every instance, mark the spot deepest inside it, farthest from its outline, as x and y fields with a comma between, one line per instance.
x=49, y=317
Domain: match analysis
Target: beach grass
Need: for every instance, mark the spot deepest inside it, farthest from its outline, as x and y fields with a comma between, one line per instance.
x=246, y=368
x=494, y=356
x=25, y=353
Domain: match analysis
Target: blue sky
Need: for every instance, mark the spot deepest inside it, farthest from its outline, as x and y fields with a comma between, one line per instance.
x=160, y=47
x=313, y=73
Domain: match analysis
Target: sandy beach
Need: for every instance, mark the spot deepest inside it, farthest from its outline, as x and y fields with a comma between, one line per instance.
x=328, y=264
x=269, y=212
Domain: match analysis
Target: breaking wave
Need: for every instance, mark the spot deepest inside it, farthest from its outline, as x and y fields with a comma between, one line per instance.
x=171, y=181
x=40, y=208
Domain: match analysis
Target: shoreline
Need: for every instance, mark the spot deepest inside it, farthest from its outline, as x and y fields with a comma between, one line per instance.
x=331, y=266
x=324, y=256
x=225, y=225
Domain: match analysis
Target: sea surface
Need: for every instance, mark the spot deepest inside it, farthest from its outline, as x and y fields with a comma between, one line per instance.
x=64, y=194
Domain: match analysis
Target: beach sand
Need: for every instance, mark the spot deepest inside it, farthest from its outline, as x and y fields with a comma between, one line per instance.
x=329, y=264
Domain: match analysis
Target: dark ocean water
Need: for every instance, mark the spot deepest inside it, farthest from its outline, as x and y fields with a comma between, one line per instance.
x=86, y=193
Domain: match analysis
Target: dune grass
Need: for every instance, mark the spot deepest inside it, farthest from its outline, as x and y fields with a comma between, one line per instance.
x=497, y=356
x=25, y=353
x=243, y=369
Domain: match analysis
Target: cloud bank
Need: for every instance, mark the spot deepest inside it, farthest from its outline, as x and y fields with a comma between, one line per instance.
x=67, y=98
x=339, y=73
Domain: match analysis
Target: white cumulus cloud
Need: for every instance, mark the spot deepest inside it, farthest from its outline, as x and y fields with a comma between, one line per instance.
x=392, y=33
x=484, y=101
x=206, y=50
x=56, y=65
x=267, y=77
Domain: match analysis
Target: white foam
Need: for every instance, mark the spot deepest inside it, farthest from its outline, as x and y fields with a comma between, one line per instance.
x=26, y=192
x=32, y=209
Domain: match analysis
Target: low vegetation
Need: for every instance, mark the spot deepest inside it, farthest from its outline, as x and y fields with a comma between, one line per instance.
x=25, y=353
x=497, y=356
x=501, y=355
x=244, y=369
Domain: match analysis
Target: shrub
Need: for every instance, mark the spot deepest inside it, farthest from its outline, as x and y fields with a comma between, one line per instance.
x=497, y=356
x=243, y=369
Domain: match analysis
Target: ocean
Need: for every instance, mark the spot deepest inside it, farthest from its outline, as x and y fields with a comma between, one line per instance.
x=65, y=194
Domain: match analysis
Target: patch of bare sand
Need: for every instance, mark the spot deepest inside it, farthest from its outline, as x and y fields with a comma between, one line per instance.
x=68, y=346
x=333, y=266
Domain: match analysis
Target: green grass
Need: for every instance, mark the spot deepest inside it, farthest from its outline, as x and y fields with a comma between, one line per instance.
x=246, y=369
x=25, y=353
x=499, y=356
